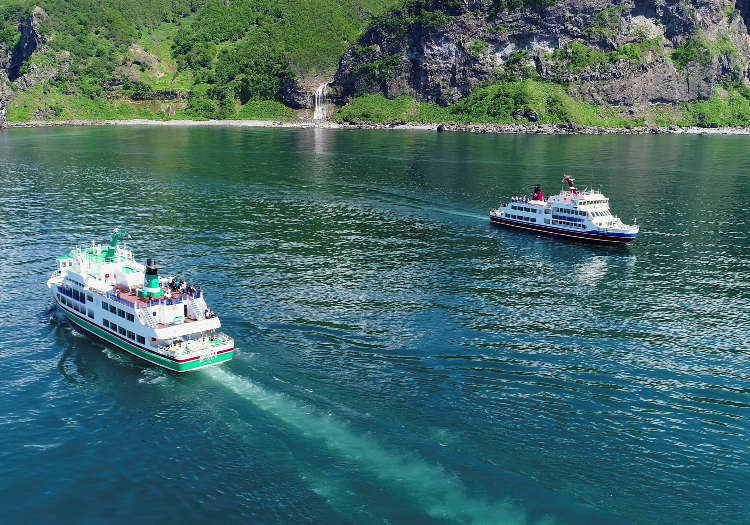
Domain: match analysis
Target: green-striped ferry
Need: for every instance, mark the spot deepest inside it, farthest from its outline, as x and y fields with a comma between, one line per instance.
x=104, y=291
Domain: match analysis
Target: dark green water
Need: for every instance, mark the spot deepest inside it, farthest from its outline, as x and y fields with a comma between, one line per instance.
x=400, y=360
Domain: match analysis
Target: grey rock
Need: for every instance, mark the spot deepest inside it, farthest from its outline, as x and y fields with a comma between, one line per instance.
x=442, y=64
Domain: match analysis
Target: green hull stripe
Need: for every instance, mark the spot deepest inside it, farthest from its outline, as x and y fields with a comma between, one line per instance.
x=151, y=358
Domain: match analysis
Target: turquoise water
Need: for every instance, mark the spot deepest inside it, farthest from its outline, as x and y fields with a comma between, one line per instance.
x=400, y=360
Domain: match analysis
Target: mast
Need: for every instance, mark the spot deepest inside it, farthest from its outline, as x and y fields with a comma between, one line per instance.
x=116, y=236
x=573, y=189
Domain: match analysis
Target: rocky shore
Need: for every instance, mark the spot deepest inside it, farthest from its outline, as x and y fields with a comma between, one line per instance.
x=529, y=129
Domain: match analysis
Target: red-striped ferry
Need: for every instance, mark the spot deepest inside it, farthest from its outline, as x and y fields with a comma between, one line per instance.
x=582, y=215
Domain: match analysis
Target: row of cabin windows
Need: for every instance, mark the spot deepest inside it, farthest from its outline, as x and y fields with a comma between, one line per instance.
x=522, y=218
x=75, y=282
x=80, y=296
x=580, y=212
x=67, y=301
x=123, y=331
x=573, y=224
x=119, y=311
x=569, y=212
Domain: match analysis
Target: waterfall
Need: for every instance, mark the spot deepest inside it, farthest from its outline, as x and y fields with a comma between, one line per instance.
x=321, y=102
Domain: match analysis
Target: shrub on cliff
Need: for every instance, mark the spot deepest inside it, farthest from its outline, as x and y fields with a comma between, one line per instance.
x=10, y=16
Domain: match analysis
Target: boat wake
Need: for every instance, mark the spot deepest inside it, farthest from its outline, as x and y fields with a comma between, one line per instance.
x=439, y=493
x=421, y=204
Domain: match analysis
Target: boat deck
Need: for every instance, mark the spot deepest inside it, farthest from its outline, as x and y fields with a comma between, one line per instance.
x=131, y=299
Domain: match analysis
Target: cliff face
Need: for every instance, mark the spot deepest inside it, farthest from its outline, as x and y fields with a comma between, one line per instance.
x=634, y=53
x=15, y=64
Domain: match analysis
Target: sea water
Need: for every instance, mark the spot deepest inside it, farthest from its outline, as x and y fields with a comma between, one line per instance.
x=399, y=359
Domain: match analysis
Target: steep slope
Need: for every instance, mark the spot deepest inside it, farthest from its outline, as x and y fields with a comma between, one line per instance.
x=206, y=58
x=634, y=53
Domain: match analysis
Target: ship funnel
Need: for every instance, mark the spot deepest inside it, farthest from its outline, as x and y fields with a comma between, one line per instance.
x=151, y=286
x=538, y=194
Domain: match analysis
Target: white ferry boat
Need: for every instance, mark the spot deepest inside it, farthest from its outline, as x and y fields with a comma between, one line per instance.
x=580, y=215
x=104, y=291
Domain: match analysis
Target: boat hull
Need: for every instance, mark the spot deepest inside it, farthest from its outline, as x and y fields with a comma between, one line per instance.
x=607, y=238
x=141, y=352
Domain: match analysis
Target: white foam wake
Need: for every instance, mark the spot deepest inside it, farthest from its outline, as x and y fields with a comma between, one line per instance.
x=439, y=493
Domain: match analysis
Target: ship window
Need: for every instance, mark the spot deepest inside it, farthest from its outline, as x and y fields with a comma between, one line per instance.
x=105, y=323
x=546, y=221
x=141, y=339
x=547, y=211
x=113, y=326
x=130, y=317
x=121, y=312
x=131, y=335
x=104, y=306
x=113, y=308
x=91, y=313
x=90, y=299
x=121, y=330
x=554, y=221
x=584, y=226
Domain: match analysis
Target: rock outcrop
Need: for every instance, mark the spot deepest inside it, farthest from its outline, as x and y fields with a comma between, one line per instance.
x=17, y=66
x=620, y=54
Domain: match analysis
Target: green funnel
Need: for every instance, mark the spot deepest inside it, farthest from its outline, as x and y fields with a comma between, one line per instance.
x=151, y=287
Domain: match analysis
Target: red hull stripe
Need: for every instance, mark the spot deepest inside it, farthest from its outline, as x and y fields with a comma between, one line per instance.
x=562, y=233
x=145, y=349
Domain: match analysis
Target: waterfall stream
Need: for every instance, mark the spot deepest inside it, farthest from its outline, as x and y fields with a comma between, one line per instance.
x=321, y=102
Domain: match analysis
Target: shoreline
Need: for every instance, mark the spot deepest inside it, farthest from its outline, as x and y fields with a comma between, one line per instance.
x=527, y=129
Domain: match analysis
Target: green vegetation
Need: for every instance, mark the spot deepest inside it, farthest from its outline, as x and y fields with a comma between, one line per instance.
x=511, y=5
x=377, y=108
x=395, y=24
x=550, y=104
x=477, y=47
x=606, y=21
x=225, y=53
x=691, y=51
x=700, y=52
x=581, y=56
x=228, y=59
x=494, y=104
x=10, y=14
x=729, y=106
x=379, y=71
